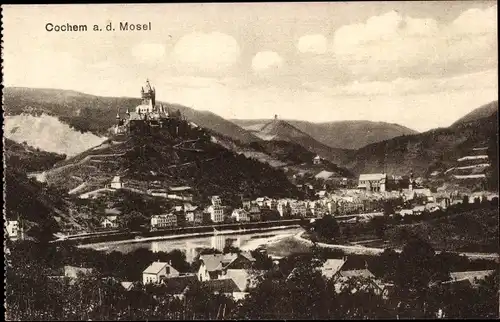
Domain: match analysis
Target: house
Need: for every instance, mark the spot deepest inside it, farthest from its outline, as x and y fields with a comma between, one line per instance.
x=225, y=286
x=254, y=213
x=246, y=203
x=213, y=266
x=373, y=182
x=240, y=215
x=418, y=210
x=260, y=201
x=283, y=209
x=127, y=285
x=158, y=192
x=432, y=207
x=110, y=222
x=243, y=260
x=358, y=280
x=270, y=203
x=216, y=213
x=243, y=279
x=12, y=229
x=298, y=209
x=116, y=183
x=322, y=194
x=216, y=201
x=157, y=270
x=324, y=175
x=179, y=285
x=331, y=267
x=195, y=217
x=443, y=202
x=163, y=221
x=74, y=272
x=317, y=159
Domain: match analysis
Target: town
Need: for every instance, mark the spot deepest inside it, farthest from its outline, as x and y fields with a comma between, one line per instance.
x=297, y=161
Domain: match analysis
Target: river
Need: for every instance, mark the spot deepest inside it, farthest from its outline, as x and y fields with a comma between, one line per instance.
x=191, y=246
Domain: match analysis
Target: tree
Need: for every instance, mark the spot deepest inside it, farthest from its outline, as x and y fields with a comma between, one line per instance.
x=132, y=220
x=326, y=228
x=378, y=225
x=388, y=208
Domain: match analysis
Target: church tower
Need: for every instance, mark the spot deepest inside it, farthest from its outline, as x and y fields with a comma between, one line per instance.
x=148, y=95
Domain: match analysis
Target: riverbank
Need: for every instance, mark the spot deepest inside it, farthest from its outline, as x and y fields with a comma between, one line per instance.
x=361, y=250
x=188, y=235
x=178, y=231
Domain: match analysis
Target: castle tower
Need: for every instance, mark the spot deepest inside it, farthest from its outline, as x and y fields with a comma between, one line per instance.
x=148, y=95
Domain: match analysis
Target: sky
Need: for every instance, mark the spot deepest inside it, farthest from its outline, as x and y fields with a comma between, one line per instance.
x=419, y=64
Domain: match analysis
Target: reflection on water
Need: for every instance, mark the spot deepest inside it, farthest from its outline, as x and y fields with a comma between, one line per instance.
x=191, y=246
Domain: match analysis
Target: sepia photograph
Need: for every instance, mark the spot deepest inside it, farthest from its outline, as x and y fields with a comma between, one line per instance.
x=250, y=161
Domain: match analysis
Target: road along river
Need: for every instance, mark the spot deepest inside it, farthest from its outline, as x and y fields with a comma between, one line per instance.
x=247, y=240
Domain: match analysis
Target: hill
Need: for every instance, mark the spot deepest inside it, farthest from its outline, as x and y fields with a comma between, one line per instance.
x=471, y=231
x=96, y=114
x=195, y=159
x=295, y=157
x=25, y=158
x=40, y=209
x=437, y=149
x=479, y=113
x=341, y=134
x=279, y=130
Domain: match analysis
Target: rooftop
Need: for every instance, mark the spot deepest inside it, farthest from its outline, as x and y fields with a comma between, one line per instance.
x=222, y=285
x=372, y=176
x=332, y=267
x=155, y=268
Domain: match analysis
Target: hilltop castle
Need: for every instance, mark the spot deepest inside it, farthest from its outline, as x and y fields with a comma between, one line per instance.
x=147, y=115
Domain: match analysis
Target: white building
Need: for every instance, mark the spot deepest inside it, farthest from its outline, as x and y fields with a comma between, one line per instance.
x=12, y=229
x=156, y=271
x=116, y=183
x=162, y=221
x=317, y=160
x=216, y=213
x=373, y=181
x=240, y=215
x=216, y=201
x=110, y=222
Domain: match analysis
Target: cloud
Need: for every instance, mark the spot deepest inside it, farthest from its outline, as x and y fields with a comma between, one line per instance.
x=265, y=60
x=391, y=45
x=475, y=21
x=207, y=51
x=148, y=52
x=486, y=80
x=316, y=44
x=49, y=69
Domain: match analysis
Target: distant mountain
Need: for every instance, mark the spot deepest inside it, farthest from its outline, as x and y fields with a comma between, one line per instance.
x=479, y=113
x=97, y=114
x=293, y=155
x=341, y=134
x=434, y=150
x=279, y=130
